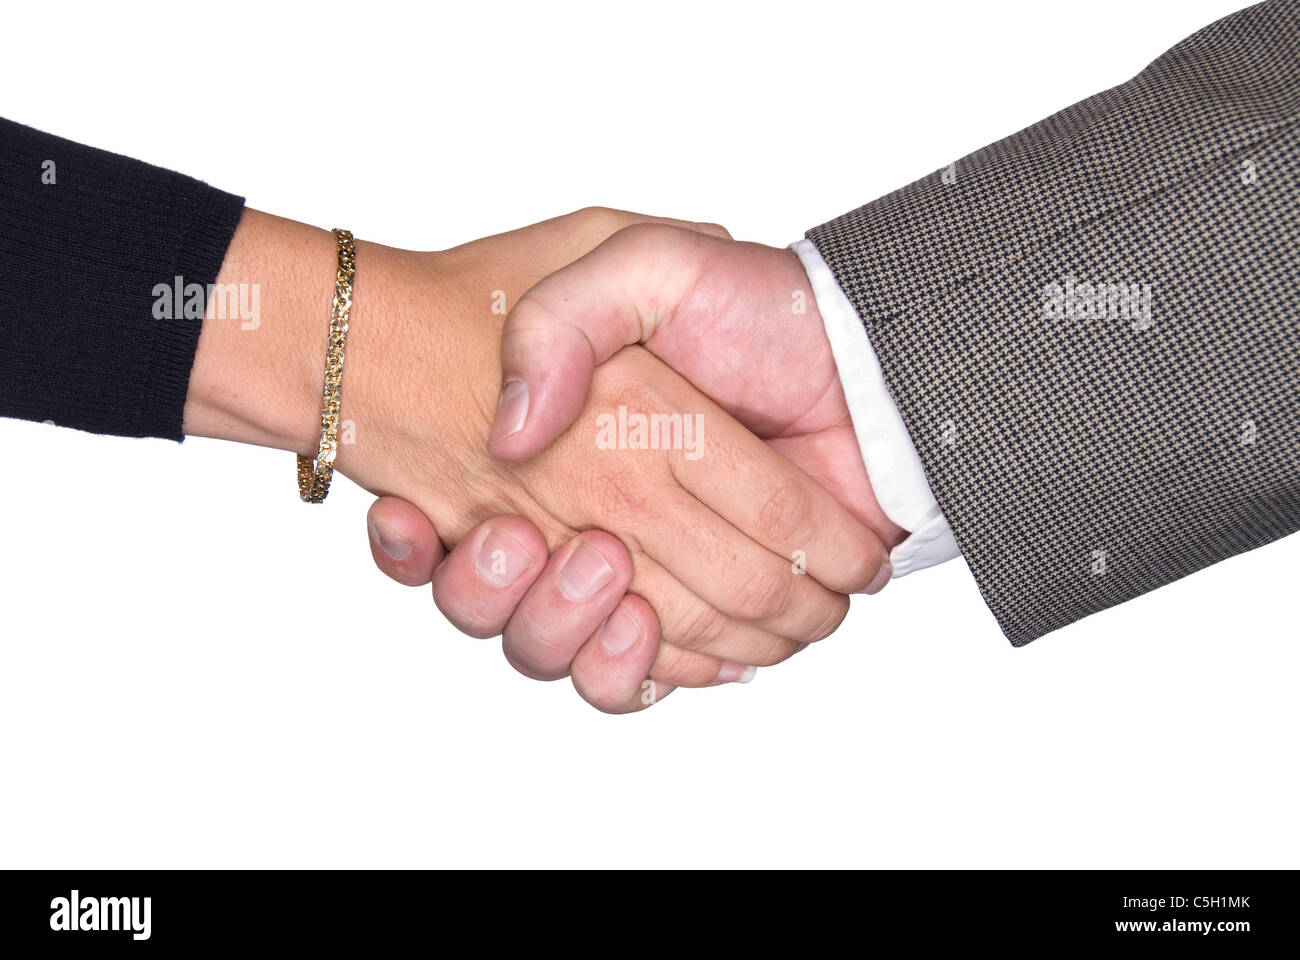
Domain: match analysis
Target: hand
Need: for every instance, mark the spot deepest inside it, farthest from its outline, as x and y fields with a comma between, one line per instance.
x=532, y=608
x=709, y=537
x=735, y=319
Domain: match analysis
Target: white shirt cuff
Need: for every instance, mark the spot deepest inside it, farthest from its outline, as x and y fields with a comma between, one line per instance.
x=897, y=477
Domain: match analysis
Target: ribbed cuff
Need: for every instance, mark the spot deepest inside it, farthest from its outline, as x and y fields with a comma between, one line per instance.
x=202, y=248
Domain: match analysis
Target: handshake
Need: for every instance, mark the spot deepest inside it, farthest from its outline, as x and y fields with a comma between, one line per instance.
x=634, y=433
x=629, y=430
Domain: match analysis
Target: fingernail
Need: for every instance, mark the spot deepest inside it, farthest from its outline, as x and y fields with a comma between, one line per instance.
x=882, y=577
x=397, y=547
x=735, y=673
x=619, y=632
x=501, y=559
x=512, y=410
x=584, y=573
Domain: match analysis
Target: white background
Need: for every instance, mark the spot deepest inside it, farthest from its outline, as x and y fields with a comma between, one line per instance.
x=196, y=670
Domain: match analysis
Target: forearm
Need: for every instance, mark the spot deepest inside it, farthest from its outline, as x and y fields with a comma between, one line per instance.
x=1074, y=361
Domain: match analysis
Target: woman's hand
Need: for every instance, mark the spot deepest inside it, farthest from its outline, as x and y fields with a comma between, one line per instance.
x=526, y=603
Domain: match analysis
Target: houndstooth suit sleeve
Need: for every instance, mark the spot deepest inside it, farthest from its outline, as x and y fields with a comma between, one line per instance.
x=1092, y=328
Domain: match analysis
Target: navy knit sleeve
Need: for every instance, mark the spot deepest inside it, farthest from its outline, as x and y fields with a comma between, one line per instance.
x=85, y=237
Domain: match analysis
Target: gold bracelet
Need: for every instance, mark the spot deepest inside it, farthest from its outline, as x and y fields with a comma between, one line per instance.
x=314, y=477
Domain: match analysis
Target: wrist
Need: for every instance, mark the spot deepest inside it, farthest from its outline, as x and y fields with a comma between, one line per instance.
x=414, y=366
x=892, y=471
x=419, y=382
x=258, y=370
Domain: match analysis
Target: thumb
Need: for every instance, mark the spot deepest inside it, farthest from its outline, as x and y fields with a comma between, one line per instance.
x=579, y=317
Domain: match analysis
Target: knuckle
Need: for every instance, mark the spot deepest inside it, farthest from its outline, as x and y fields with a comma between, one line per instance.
x=633, y=383
x=835, y=614
x=598, y=223
x=699, y=627
x=593, y=214
x=765, y=596
x=616, y=498
x=785, y=516
x=781, y=651
x=673, y=665
x=861, y=566
x=774, y=652
x=646, y=234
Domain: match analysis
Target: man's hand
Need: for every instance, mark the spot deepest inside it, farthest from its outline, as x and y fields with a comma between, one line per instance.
x=735, y=319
